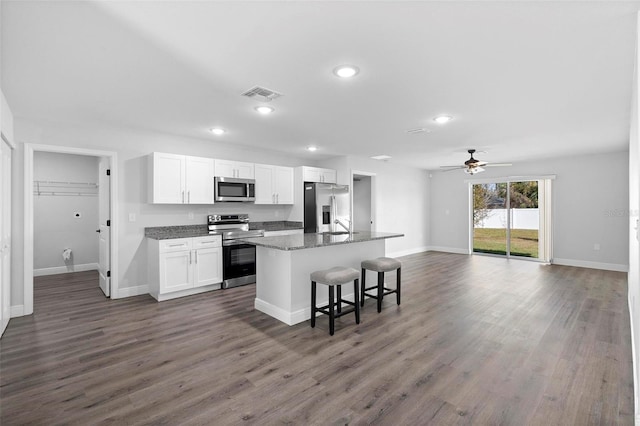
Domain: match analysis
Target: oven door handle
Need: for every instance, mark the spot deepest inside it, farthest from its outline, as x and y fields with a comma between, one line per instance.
x=228, y=243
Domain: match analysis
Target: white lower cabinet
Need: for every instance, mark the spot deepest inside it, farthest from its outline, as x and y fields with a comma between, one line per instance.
x=184, y=266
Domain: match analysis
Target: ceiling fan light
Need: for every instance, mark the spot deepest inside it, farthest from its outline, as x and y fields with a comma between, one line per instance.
x=473, y=170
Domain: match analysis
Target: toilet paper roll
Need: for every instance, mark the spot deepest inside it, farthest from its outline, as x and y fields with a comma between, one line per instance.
x=66, y=254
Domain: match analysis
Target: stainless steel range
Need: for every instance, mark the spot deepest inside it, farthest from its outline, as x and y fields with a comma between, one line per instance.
x=238, y=259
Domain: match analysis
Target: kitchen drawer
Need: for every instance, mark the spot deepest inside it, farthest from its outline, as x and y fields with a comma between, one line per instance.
x=175, y=244
x=206, y=242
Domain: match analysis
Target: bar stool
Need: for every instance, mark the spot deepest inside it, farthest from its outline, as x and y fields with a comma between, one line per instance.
x=380, y=265
x=334, y=277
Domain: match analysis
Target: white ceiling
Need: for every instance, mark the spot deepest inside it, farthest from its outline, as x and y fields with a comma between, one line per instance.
x=522, y=79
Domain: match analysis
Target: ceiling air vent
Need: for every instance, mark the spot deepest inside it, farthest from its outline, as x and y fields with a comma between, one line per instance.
x=262, y=94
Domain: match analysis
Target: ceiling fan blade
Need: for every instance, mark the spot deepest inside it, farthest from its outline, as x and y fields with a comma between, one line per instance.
x=481, y=164
x=453, y=167
x=498, y=165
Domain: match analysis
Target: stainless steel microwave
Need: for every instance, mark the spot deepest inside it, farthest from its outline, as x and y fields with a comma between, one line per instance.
x=234, y=189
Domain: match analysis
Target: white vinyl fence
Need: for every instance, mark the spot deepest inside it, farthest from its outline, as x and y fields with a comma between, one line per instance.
x=520, y=219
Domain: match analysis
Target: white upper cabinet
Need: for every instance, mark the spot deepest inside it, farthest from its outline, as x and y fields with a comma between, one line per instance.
x=283, y=184
x=274, y=184
x=199, y=180
x=167, y=180
x=316, y=174
x=180, y=179
x=234, y=169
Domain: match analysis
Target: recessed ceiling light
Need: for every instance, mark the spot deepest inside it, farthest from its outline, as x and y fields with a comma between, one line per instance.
x=312, y=148
x=346, y=71
x=263, y=109
x=381, y=157
x=218, y=131
x=441, y=119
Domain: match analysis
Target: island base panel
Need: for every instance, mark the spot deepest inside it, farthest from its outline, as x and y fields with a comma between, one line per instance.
x=283, y=287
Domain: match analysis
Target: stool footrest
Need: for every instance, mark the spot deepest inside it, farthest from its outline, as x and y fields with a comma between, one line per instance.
x=384, y=293
x=325, y=310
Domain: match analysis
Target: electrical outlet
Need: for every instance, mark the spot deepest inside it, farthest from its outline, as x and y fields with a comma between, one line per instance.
x=190, y=215
x=277, y=213
x=596, y=246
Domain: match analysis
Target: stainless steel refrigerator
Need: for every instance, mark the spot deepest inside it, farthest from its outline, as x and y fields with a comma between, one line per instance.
x=327, y=208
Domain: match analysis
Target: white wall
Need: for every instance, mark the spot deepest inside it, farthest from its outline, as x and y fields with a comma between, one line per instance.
x=633, y=277
x=55, y=225
x=132, y=148
x=590, y=206
x=402, y=200
x=6, y=119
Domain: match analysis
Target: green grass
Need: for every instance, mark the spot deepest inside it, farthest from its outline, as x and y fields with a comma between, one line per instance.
x=524, y=242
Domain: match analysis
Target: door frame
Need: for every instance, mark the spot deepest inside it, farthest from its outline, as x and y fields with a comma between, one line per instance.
x=29, y=150
x=545, y=192
x=374, y=216
x=5, y=287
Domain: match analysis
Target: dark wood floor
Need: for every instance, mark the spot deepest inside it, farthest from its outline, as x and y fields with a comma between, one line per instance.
x=477, y=340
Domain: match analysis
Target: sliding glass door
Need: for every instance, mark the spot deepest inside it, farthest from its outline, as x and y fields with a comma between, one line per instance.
x=507, y=219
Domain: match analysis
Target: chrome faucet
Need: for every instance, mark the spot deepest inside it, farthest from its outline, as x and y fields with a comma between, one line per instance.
x=346, y=228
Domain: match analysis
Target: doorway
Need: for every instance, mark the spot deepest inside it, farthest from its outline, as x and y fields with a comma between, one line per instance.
x=511, y=219
x=107, y=196
x=363, y=201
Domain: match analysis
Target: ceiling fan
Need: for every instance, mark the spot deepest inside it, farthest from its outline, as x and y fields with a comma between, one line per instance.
x=473, y=165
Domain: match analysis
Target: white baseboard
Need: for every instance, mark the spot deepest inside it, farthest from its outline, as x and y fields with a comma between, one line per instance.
x=407, y=252
x=275, y=312
x=454, y=250
x=129, y=291
x=591, y=265
x=634, y=362
x=293, y=317
x=16, y=311
x=65, y=269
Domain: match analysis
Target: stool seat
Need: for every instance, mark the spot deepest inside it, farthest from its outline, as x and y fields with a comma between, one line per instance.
x=381, y=264
x=335, y=276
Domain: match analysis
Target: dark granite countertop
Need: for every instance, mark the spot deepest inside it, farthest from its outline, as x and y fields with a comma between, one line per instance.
x=279, y=225
x=307, y=241
x=171, y=232
x=190, y=231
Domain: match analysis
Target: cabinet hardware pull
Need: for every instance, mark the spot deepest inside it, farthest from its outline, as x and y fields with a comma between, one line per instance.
x=189, y=197
x=182, y=197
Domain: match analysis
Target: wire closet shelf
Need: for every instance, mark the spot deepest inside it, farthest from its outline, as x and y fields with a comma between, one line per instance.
x=68, y=189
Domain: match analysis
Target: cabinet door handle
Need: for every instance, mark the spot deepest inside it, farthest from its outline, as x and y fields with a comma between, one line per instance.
x=189, y=197
x=176, y=245
x=190, y=258
x=277, y=198
x=182, y=197
x=196, y=257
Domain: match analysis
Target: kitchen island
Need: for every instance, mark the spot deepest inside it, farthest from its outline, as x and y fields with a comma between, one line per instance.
x=284, y=263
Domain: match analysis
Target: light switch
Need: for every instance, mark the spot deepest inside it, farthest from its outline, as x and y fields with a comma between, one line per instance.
x=132, y=217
